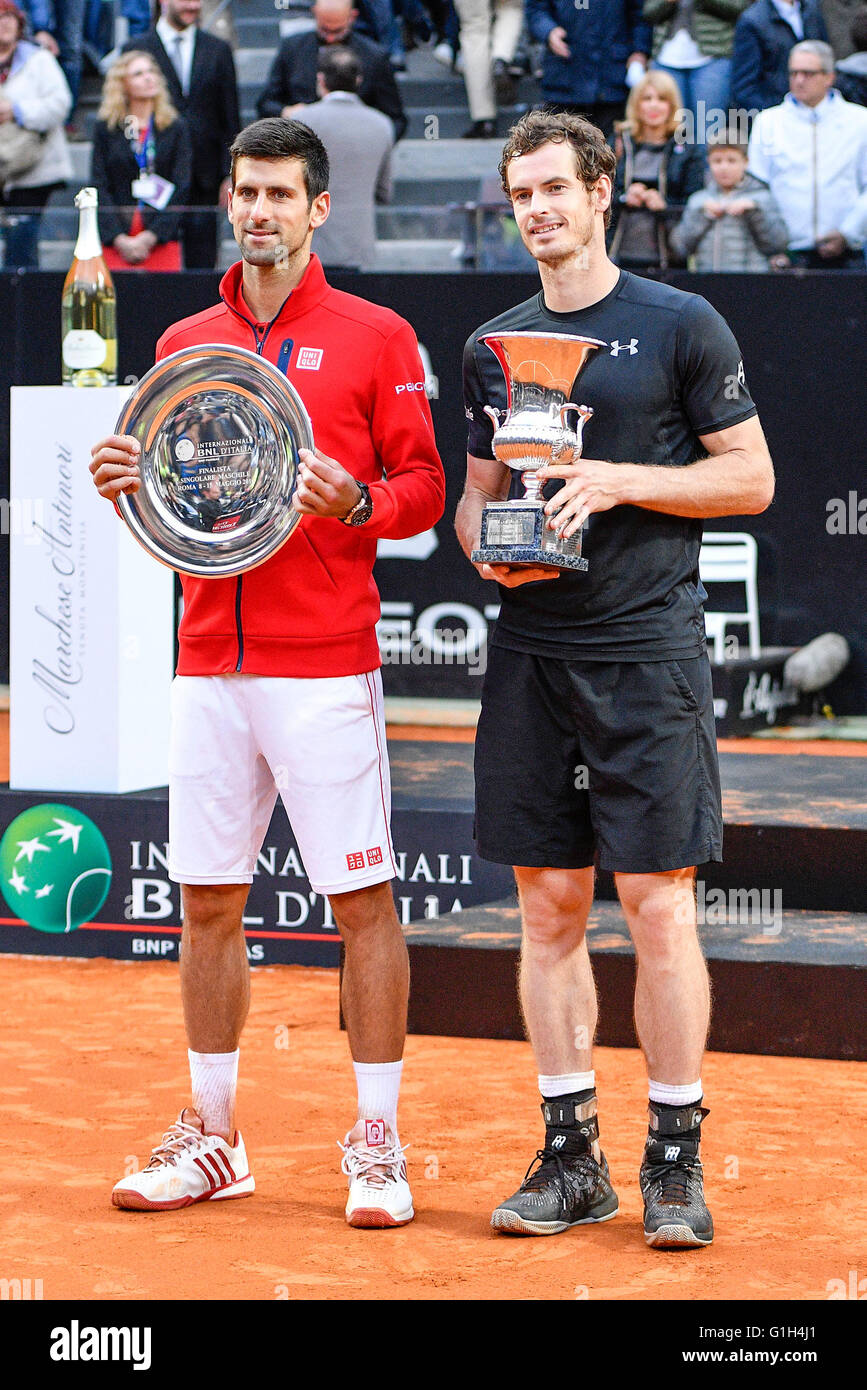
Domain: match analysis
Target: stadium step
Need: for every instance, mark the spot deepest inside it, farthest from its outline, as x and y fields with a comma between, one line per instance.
x=784, y=984
x=435, y=172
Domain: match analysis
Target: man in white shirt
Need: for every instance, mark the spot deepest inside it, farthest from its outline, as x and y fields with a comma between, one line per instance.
x=812, y=152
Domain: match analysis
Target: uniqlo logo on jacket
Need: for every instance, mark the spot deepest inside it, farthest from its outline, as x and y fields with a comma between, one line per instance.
x=355, y=861
x=309, y=359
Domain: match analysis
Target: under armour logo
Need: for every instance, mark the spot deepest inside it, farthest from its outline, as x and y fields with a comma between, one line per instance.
x=631, y=347
x=671, y=1152
x=558, y=1142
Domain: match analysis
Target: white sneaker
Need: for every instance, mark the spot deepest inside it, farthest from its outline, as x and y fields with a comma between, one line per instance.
x=374, y=1162
x=187, y=1166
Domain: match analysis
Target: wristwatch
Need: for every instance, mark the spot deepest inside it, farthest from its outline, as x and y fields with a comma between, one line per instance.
x=363, y=509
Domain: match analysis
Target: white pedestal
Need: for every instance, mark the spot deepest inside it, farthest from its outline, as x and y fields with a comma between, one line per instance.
x=91, y=614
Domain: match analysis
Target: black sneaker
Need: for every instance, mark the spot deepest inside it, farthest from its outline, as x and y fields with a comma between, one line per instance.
x=505, y=86
x=675, y=1214
x=481, y=130
x=570, y=1187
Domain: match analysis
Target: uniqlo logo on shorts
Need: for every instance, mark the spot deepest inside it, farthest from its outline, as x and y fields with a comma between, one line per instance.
x=374, y=856
x=355, y=861
x=309, y=359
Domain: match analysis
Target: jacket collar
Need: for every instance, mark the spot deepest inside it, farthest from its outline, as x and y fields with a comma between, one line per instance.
x=24, y=49
x=310, y=291
x=828, y=104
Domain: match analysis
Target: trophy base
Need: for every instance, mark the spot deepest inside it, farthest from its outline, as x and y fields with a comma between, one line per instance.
x=516, y=533
x=525, y=555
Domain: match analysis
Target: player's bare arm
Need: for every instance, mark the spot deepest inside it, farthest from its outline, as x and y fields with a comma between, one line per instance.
x=737, y=479
x=488, y=481
x=114, y=465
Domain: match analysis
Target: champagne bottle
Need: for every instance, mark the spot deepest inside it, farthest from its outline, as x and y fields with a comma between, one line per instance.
x=89, y=333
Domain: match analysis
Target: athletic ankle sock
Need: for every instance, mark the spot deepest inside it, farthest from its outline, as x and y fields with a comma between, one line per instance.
x=214, y=1077
x=566, y=1085
x=378, y=1089
x=675, y=1095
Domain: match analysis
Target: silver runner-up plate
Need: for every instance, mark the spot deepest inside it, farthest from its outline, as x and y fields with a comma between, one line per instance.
x=219, y=429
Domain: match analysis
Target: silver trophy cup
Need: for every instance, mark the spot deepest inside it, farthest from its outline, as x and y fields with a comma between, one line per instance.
x=542, y=426
x=220, y=429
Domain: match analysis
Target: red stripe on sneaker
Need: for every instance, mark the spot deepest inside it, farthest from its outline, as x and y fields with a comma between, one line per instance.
x=208, y=1174
x=221, y=1176
x=226, y=1164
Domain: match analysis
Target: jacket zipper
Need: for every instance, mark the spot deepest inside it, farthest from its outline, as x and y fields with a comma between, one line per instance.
x=239, y=585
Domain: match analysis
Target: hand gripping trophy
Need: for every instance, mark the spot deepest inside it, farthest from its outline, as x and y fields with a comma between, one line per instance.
x=540, y=370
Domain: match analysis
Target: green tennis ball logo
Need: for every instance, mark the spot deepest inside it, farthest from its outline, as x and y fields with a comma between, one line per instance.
x=55, y=868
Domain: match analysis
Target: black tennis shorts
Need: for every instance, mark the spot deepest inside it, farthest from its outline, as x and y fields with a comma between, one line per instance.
x=606, y=762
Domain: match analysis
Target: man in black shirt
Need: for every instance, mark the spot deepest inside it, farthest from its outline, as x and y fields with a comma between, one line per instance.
x=596, y=740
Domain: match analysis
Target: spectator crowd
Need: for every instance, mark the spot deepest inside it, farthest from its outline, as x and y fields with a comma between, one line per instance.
x=739, y=126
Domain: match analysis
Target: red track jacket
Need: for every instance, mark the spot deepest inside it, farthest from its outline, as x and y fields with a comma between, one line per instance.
x=311, y=609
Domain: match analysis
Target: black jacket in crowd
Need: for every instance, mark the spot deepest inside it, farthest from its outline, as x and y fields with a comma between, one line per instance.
x=850, y=78
x=760, y=53
x=681, y=173
x=114, y=166
x=211, y=109
x=292, y=77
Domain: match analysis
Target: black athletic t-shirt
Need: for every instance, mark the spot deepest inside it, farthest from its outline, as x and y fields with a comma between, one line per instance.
x=673, y=372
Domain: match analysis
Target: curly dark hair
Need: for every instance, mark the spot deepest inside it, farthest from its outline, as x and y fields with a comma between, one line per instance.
x=593, y=155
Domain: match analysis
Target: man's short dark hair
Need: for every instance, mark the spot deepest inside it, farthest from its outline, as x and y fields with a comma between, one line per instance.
x=593, y=155
x=339, y=68
x=275, y=138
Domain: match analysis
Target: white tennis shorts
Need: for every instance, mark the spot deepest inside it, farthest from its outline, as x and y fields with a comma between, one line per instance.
x=238, y=741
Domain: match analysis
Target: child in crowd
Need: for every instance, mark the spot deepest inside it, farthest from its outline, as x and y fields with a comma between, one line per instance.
x=733, y=223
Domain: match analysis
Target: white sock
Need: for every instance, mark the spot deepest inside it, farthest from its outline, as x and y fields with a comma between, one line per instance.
x=378, y=1089
x=675, y=1095
x=214, y=1077
x=553, y=1086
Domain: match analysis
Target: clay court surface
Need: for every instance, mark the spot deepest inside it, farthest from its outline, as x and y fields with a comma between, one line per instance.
x=93, y=1062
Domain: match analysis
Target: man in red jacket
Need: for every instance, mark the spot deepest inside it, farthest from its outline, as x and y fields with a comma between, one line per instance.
x=278, y=682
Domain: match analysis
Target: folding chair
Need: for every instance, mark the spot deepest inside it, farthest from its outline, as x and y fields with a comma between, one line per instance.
x=730, y=557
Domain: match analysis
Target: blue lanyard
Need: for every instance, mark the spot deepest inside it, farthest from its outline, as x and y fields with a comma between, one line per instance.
x=146, y=149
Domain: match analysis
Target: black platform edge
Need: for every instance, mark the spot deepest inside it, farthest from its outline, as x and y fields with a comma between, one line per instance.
x=798, y=993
